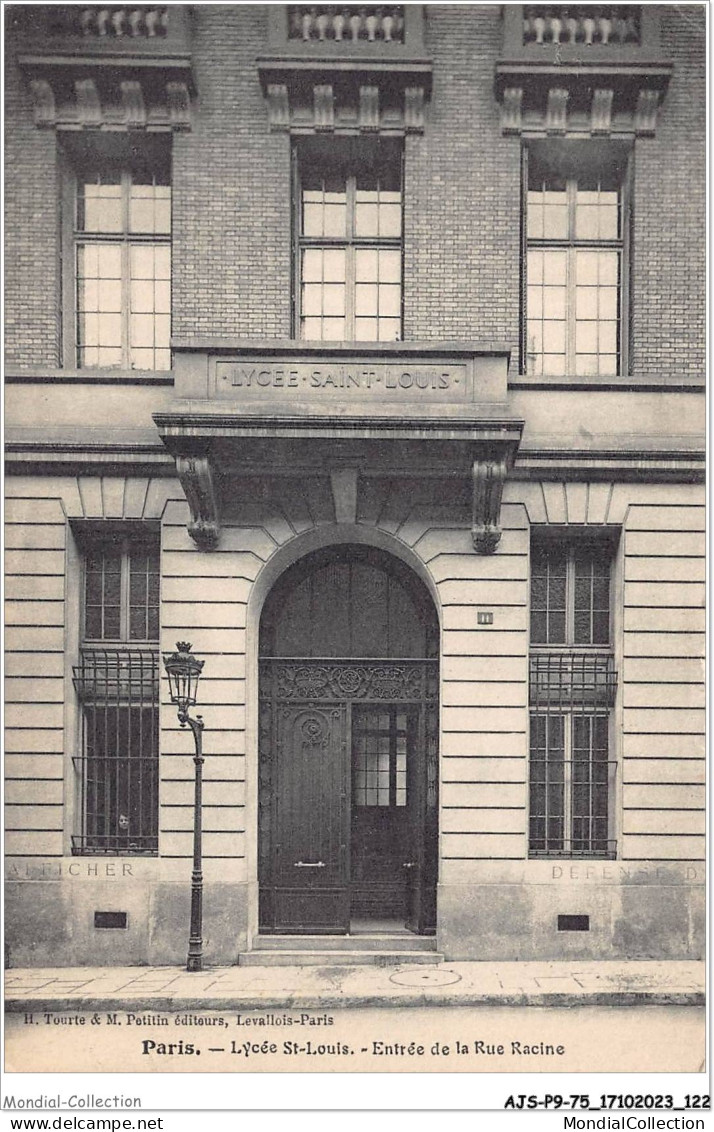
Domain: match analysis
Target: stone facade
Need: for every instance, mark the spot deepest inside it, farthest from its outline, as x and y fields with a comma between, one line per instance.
x=244, y=483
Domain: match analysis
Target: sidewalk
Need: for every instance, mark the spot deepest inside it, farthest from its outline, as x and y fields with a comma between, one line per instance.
x=574, y=983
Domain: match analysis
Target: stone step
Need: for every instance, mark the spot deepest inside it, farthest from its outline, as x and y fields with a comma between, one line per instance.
x=317, y=958
x=384, y=941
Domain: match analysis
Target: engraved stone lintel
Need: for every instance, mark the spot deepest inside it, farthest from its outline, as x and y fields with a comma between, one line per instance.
x=179, y=105
x=196, y=476
x=646, y=112
x=134, y=108
x=601, y=111
x=511, y=110
x=344, y=494
x=369, y=108
x=414, y=109
x=488, y=480
x=89, y=108
x=324, y=107
x=43, y=103
x=278, y=107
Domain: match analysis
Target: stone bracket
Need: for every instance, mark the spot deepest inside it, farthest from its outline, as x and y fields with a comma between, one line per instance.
x=350, y=103
x=99, y=102
x=488, y=479
x=197, y=480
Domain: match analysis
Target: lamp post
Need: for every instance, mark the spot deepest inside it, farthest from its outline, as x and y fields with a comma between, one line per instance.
x=183, y=670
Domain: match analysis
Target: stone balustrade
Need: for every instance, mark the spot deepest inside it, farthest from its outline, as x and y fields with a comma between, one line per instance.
x=606, y=25
x=111, y=22
x=350, y=24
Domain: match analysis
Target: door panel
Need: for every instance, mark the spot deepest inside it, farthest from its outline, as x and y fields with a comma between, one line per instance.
x=311, y=819
x=385, y=821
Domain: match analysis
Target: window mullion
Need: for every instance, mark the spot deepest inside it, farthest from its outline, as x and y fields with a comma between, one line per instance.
x=124, y=591
x=568, y=724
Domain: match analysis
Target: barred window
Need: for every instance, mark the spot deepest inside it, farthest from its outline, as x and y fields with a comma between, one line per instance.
x=349, y=242
x=572, y=690
x=121, y=255
x=117, y=683
x=576, y=226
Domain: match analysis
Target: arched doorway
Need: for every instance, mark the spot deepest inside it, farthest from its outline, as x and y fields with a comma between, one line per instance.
x=348, y=746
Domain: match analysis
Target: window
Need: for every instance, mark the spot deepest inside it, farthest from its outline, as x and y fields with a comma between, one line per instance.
x=117, y=681
x=379, y=746
x=121, y=258
x=572, y=690
x=349, y=241
x=576, y=227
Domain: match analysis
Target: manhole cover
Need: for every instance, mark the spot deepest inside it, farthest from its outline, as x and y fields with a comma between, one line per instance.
x=419, y=977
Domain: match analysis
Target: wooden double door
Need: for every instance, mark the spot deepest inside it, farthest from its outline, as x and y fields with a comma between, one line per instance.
x=347, y=794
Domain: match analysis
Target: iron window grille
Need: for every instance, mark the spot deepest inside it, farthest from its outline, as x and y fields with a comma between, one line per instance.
x=576, y=227
x=118, y=689
x=117, y=684
x=119, y=265
x=349, y=241
x=571, y=773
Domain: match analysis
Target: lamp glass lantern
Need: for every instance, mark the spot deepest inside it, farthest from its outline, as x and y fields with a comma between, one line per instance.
x=183, y=670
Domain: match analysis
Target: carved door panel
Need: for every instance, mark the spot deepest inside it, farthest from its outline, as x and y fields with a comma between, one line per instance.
x=310, y=866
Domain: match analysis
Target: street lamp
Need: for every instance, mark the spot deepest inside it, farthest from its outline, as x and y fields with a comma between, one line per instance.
x=183, y=670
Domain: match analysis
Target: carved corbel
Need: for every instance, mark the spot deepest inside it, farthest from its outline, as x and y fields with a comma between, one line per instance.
x=488, y=480
x=646, y=112
x=179, y=102
x=278, y=107
x=511, y=110
x=133, y=102
x=556, y=114
x=196, y=478
x=369, y=108
x=89, y=107
x=601, y=111
x=414, y=109
x=43, y=103
x=324, y=106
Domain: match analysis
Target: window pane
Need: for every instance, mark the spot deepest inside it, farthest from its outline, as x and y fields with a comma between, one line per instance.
x=389, y=301
x=366, y=219
x=390, y=329
x=366, y=299
x=99, y=205
x=366, y=264
x=366, y=330
x=150, y=208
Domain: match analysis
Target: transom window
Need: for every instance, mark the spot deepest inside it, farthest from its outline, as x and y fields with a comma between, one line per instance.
x=570, y=594
x=350, y=242
x=122, y=590
x=575, y=260
x=122, y=261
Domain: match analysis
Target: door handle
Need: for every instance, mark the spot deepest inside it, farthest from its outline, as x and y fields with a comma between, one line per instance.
x=409, y=865
x=309, y=865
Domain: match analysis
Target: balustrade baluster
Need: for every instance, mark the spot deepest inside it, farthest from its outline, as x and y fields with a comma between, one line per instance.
x=338, y=25
x=103, y=21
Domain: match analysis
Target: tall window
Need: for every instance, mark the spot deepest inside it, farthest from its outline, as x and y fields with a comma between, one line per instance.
x=576, y=269
x=572, y=689
x=349, y=242
x=121, y=257
x=117, y=681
